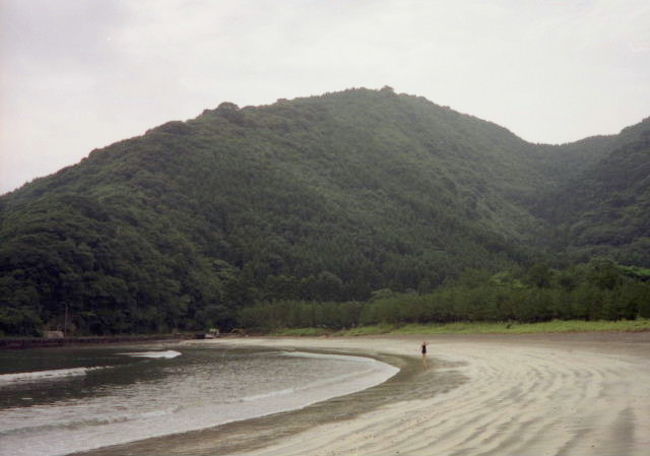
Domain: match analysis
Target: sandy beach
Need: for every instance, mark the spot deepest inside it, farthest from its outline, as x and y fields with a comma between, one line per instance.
x=564, y=394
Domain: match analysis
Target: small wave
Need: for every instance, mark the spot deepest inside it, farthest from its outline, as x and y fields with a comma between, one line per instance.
x=258, y=397
x=327, y=382
x=350, y=358
x=169, y=354
x=46, y=375
x=83, y=423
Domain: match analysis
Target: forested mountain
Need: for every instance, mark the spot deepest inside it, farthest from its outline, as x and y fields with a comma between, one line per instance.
x=324, y=198
x=605, y=210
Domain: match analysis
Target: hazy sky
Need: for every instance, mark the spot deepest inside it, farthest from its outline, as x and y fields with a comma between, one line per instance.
x=80, y=74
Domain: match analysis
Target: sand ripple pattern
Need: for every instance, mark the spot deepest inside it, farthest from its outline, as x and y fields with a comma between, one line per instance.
x=518, y=400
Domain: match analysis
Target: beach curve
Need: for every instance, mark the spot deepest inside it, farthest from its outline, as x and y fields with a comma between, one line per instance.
x=539, y=395
x=583, y=394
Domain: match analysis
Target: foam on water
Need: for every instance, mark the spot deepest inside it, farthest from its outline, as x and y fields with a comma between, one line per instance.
x=45, y=375
x=169, y=354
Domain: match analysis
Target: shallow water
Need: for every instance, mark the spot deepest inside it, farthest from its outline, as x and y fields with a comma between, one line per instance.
x=413, y=382
x=60, y=401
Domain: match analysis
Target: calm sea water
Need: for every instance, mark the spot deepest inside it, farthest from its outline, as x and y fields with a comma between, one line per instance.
x=59, y=401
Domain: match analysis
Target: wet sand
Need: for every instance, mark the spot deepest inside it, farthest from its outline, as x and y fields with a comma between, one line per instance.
x=564, y=394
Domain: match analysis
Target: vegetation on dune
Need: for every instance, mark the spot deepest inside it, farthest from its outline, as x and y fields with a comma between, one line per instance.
x=380, y=204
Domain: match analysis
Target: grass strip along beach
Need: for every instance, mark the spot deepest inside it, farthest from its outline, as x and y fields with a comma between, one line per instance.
x=554, y=326
x=584, y=393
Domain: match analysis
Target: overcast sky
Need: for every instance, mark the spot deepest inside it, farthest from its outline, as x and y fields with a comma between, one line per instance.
x=80, y=74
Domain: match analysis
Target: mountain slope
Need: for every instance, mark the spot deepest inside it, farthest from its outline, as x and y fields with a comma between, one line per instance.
x=320, y=198
x=606, y=209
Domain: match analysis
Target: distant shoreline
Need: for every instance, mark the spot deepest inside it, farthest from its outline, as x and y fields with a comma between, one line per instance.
x=476, y=328
x=19, y=343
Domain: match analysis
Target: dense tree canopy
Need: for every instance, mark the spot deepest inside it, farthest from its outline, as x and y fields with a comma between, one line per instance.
x=606, y=211
x=321, y=199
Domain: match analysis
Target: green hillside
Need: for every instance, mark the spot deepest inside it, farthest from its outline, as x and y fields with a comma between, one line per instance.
x=605, y=210
x=324, y=198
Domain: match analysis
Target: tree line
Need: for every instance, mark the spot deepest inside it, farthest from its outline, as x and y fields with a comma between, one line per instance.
x=599, y=290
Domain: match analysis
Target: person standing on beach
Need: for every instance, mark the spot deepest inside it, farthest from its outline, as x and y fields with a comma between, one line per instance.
x=423, y=350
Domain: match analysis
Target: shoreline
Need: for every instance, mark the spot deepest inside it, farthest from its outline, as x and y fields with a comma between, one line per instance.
x=23, y=343
x=255, y=433
x=578, y=394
